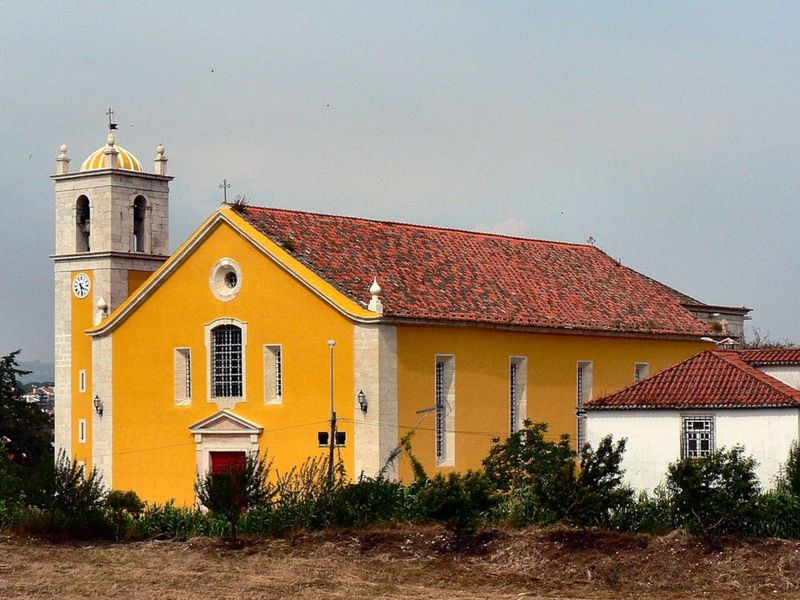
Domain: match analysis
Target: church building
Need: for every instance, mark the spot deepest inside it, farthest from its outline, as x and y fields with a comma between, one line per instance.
x=173, y=364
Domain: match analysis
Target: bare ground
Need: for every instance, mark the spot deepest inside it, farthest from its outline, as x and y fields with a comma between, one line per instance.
x=405, y=563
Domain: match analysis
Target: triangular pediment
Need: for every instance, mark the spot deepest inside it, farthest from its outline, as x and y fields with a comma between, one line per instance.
x=225, y=421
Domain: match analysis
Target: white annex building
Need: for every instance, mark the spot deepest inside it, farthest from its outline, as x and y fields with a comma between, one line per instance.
x=717, y=399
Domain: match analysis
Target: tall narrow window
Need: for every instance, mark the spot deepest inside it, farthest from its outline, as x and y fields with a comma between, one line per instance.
x=640, y=371
x=82, y=431
x=273, y=374
x=698, y=436
x=226, y=361
x=82, y=380
x=584, y=394
x=517, y=392
x=445, y=404
x=139, y=214
x=183, y=376
x=83, y=225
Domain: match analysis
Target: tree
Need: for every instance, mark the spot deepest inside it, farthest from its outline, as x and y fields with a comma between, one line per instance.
x=25, y=429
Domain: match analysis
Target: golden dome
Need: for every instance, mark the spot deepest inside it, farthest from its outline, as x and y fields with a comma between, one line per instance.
x=99, y=158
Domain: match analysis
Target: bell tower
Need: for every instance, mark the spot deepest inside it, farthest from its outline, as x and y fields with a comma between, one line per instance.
x=112, y=231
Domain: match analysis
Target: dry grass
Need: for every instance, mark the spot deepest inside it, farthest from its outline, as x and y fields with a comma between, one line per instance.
x=405, y=563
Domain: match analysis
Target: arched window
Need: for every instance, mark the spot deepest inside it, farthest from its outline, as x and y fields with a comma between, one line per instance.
x=226, y=361
x=83, y=220
x=139, y=213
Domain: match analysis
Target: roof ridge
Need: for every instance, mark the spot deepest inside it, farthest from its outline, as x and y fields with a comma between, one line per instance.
x=432, y=227
x=765, y=378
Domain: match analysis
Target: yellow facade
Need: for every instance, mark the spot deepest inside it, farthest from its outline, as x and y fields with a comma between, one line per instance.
x=154, y=452
x=482, y=358
x=82, y=409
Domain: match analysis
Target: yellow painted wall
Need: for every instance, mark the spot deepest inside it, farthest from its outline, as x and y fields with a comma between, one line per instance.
x=154, y=453
x=135, y=279
x=82, y=319
x=482, y=381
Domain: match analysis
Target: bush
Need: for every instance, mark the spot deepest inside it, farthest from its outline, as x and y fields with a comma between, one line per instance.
x=774, y=514
x=371, y=501
x=123, y=508
x=789, y=478
x=231, y=494
x=645, y=513
x=167, y=521
x=599, y=492
x=711, y=494
x=69, y=503
x=459, y=502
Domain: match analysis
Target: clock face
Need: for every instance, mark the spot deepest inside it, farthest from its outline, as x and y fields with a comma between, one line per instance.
x=81, y=285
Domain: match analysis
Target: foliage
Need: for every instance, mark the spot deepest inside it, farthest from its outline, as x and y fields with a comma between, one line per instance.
x=459, y=501
x=645, y=513
x=372, y=501
x=774, y=514
x=231, y=494
x=789, y=478
x=123, y=507
x=543, y=484
x=167, y=521
x=25, y=429
x=762, y=340
x=711, y=494
x=599, y=491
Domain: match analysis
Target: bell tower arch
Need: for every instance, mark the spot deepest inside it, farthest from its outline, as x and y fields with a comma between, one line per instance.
x=112, y=231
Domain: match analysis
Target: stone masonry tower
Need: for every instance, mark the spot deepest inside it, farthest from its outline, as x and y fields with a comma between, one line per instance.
x=112, y=231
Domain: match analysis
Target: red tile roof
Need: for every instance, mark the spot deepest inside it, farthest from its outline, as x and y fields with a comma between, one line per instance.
x=711, y=379
x=772, y=357
x=449, y=275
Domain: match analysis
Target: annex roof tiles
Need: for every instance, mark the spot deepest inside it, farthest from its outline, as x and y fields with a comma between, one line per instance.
x=711, y=379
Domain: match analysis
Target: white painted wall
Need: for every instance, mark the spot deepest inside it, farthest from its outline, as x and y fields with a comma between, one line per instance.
x=654, y=438
x=788, y=375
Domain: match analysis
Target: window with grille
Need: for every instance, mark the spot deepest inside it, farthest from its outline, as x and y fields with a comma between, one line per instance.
x=183, y=376
x=445, y=410
x=698, y=436
x=273, y=374
x=584, y=394
x=517, y=396
x=226, y=361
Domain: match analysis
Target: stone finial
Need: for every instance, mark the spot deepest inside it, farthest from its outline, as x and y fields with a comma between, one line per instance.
x=375, y=303
x=160, y=167
x=102, y=310
x=111, y=152
x=62, y=161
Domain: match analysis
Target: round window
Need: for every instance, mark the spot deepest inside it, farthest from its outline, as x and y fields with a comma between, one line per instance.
x=226, y=279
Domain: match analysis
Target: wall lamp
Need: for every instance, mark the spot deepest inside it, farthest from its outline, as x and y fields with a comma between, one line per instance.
x=362, y=401
x=98, y=405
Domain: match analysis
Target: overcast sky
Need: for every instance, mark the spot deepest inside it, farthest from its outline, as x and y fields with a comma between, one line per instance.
x=667, y=131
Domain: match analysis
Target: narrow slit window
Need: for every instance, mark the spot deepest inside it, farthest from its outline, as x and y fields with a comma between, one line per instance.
x=82, y=380
x=273, y=374
x=444, y=407
x=183, y=376
x=584, y=394
x=517, y=392
x=82, y=431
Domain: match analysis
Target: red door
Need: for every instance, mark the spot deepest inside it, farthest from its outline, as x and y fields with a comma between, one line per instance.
x=223, y=462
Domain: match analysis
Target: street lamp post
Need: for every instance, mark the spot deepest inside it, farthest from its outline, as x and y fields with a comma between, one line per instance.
x=332, y=438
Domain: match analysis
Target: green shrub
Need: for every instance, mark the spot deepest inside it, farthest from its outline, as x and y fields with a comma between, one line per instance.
x=123, y=507
x=774, y=514
x=459, y=501
x=789, y=478
x=371, y=501
x=167, y=521
x=231, y=494
x=645, y=513
x=712, y=494
x=599, y=492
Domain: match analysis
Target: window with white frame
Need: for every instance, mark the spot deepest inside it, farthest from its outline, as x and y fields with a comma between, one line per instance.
x=584, y=394
x=698, y=436
x=82, y=431
x=82, y=380
x=640, y=371
x=445, y=407
x=517, y=392
x=183, y=376
x=226, y=361
x=273, y=374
